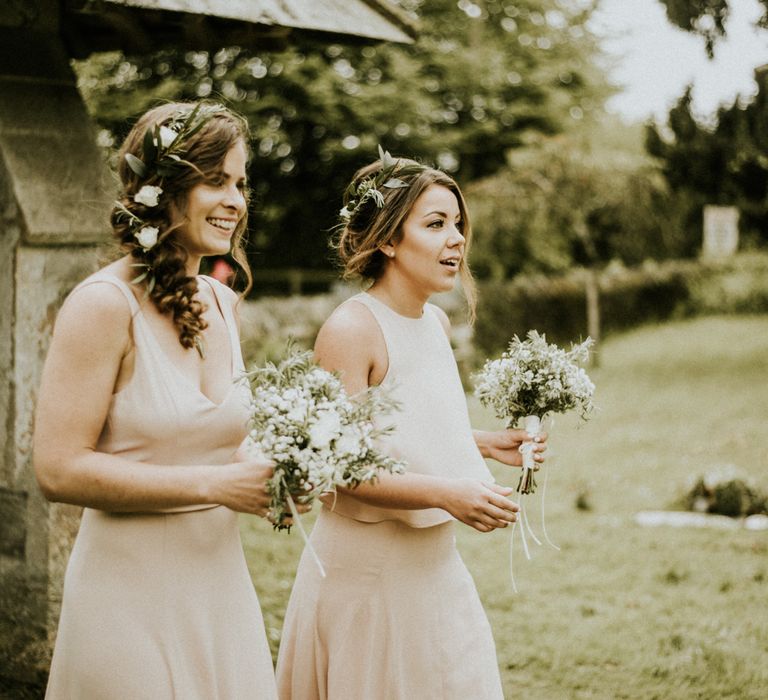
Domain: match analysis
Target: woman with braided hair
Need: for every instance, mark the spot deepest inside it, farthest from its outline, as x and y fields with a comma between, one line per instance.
x=140, y=418
x=397, y=615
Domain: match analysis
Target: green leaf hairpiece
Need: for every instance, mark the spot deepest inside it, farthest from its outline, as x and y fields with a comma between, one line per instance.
x=370, y=187
x=164, y=144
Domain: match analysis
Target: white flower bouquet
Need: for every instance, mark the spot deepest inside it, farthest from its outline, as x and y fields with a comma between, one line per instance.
x=529, y=381
x=319, y=437
x=532, y=379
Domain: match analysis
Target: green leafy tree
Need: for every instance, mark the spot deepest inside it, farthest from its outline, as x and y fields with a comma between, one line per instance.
x=722, y=162
x=726, y=163
x=705, y=17
x=562, y=202
x=482, y=77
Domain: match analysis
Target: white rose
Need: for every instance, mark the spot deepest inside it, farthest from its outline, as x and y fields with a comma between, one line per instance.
x=148, y=195
x=167, y=136
x=147, y=237
x=326, y=428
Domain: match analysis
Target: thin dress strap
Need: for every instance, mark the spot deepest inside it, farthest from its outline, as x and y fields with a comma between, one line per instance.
x=229, y=319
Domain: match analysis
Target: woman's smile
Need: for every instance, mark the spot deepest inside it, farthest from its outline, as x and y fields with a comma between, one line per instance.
x=225, y=225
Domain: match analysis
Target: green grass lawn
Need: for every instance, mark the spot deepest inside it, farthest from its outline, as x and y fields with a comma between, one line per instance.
x=623, y=611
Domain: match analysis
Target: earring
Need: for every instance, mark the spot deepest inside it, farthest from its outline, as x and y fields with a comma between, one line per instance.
x=391, y=254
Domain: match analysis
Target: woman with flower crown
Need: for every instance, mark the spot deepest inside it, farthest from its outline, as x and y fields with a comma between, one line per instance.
x=397, y=615
x=140, y=419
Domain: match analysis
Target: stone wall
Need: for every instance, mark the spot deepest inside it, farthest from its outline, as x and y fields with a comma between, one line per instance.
x=54, y=202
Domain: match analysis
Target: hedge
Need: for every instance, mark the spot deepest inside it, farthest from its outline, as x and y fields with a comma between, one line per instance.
x=627, y=298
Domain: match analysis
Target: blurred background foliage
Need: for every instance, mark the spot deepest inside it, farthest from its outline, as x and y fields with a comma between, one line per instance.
x=706, y=17
x=725, y=162
x=480, y=80
x=586, y=197
x=508, y=96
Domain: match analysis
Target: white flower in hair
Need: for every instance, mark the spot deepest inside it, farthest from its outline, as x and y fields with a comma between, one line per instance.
x=147, y=236
x=148, y=195
x=345, y=214
x=167, y=136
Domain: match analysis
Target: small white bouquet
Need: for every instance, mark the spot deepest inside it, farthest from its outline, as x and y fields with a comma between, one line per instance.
x=530, y=380
x=319, y=437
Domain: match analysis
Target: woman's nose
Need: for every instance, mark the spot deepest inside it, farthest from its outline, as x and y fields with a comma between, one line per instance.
x=457, y=237
x=234, y=198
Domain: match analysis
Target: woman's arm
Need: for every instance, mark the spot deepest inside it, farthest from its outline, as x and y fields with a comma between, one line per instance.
x=350, y=343
x=90, y=340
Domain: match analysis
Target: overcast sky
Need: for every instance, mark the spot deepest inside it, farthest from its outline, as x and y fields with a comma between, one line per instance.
x=656, y=61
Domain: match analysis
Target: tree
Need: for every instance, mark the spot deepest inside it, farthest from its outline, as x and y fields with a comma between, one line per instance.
x=483, y=76
x=705, y=17
x=567, y=203
x=725, y=164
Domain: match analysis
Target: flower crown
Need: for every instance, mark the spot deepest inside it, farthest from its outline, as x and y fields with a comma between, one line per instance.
x=163, y=149
x=356, y=195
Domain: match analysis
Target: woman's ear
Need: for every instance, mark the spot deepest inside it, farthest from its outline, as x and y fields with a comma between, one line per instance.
x=388, y=249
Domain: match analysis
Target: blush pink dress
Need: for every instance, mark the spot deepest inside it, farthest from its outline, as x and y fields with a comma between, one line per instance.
x=397, y=616
x=160, y=605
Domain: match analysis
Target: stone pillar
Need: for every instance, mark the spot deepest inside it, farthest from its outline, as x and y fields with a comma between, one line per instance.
x=55, y=195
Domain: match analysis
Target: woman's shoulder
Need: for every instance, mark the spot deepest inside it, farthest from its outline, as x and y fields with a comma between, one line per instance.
x=350, y=329
x=223, y=292
x=104, y=291
x=442, y=317
x=97, y=307
x=352, y=320
x=350, y=341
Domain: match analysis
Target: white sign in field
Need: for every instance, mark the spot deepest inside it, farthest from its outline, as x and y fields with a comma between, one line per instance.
x=721, y=231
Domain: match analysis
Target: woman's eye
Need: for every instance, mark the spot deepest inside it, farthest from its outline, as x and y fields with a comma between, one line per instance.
x=436, y=224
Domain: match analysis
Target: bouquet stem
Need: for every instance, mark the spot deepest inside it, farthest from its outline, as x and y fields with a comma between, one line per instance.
x=527, y=482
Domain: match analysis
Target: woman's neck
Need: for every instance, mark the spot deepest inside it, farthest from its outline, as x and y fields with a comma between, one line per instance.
x=399, y=297
x=193, y=265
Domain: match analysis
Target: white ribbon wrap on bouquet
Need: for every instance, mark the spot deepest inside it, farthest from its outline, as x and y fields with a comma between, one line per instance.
x=532, y=425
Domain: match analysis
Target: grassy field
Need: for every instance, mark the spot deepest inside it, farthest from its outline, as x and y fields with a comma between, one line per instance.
x=623, y=611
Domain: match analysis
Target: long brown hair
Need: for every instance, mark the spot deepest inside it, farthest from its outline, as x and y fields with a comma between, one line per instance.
x=369, y=227
x=173, y=291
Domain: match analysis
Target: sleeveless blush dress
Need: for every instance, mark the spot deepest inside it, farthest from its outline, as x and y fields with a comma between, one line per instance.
x=160, y=605
x=398, y=616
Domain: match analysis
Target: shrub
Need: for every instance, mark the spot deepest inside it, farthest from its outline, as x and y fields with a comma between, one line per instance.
x=653, y=292
x=725, y=494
